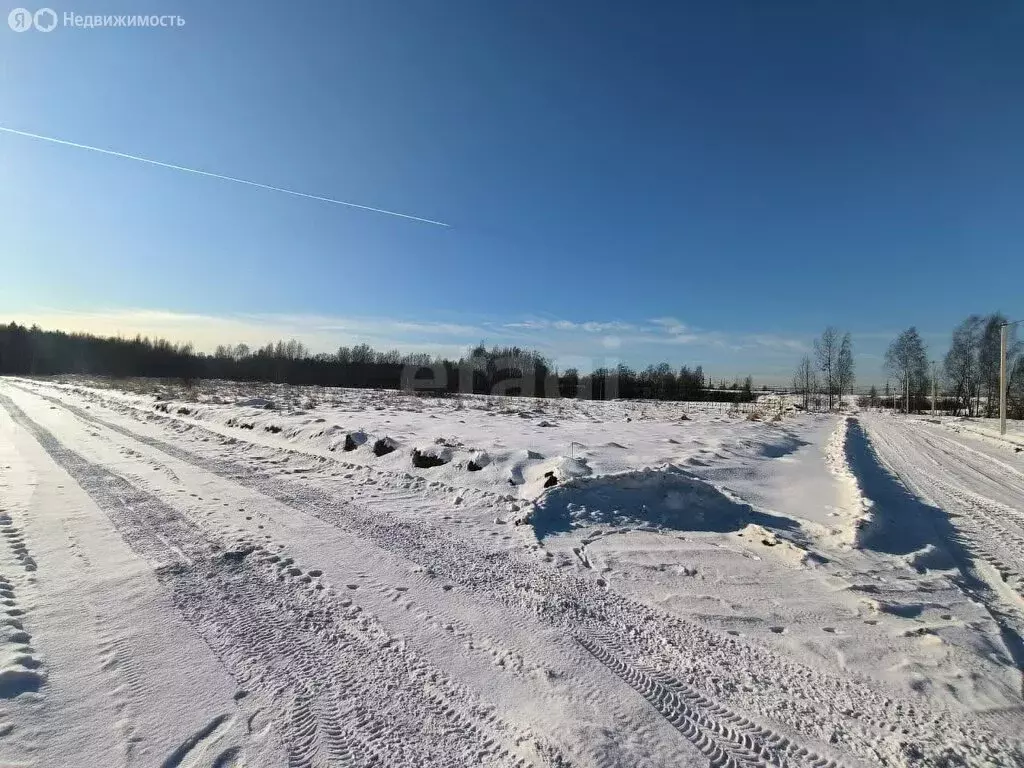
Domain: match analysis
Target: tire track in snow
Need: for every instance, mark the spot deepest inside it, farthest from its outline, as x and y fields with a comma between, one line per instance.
x=503, y=657
x=277, y=634
x=988, y=535
x=983, y=522
x=967, y=542
x=1011, y=473
x=128, y=686
x=882, y=729
x=961, y=456
x=727, y=740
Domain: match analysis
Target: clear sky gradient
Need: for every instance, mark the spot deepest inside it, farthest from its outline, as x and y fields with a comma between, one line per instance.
x=694, y=182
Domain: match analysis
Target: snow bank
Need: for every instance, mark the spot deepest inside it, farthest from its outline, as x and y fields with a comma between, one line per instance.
x=855, y=508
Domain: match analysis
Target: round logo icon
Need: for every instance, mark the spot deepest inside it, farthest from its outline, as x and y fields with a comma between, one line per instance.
x=45, y=19
x=20, y=20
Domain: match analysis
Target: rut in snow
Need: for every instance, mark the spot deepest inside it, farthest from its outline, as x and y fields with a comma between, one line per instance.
x=904, y=524
x=578, y=605
x=341, y=689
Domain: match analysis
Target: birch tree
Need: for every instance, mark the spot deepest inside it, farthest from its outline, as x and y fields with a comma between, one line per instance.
x=826, y=352
x=907, y=360
x=961, y=363
x=805, y=380
x=988, y=362
x=844, y=367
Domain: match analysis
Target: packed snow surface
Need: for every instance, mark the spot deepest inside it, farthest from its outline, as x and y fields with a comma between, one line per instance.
x=259, y=575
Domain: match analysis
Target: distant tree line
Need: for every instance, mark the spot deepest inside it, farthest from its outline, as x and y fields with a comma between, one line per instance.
x=511, y=371
x=966, y=381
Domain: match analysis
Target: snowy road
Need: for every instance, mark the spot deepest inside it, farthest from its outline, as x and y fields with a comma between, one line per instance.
x=979, y=485
x=177, y=597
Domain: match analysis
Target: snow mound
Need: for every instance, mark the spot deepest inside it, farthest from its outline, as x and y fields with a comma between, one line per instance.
x=649, y=498
x=540, y=476
x=355, y=439
x=384, y=446
x=429, y=456
x=518, y=462
x=478, y=461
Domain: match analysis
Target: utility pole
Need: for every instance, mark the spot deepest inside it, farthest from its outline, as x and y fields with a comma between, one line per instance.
x=934, y=389
x=1004, y=335
x=1004, y=331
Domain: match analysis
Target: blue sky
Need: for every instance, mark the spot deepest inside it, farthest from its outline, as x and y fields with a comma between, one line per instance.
x=705, y=183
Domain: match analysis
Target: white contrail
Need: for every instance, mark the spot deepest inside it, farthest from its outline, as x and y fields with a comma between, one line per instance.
x=220, y=176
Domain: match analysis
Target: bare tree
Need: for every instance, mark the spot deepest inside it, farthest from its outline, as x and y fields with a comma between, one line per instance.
x=988, y=362
x=961, y=363
x=295, y=350
x=1015, y=390
x=826, y=352
x=362, y=353
x=844, y=368
x=907, y=360
x=805, y=380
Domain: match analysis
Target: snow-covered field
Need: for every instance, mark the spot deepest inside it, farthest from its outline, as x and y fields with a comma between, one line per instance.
x=260, y=575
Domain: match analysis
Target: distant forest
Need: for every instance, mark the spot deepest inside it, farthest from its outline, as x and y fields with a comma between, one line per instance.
x=507, y=371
